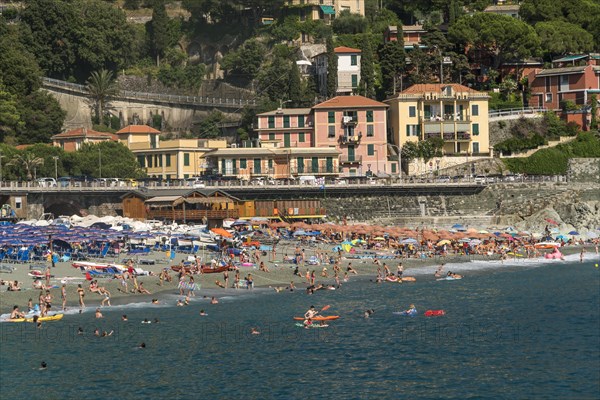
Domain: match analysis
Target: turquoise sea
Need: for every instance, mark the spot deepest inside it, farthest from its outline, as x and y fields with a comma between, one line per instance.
x=528, y=331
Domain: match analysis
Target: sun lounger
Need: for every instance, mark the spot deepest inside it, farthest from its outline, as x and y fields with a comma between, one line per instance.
x=6, y=268
x=146, y=261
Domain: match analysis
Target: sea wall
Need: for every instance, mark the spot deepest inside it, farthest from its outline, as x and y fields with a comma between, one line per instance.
x=523, y=205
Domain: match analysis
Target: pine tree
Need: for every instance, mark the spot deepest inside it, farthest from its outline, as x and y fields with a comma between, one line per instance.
x=295, y=90
x=391, y=59
x=159, y=30
x=332, y=69
x=366, y=86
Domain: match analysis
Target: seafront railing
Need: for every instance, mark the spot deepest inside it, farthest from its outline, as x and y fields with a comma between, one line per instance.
x=33, y=186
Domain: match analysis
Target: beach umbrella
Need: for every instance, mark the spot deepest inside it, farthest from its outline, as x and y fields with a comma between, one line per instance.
x=443, y=242
x=592, y=235
x=574, y=233
x=475, y=242
x=346, y=245
x=299, y=232
x=562, y=237
x=409, y=241
x=551, y=221
x=379, y=238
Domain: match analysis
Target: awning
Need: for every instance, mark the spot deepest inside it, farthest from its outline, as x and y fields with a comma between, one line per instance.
x=163, y=199
x=328, y=10
x=207, y=200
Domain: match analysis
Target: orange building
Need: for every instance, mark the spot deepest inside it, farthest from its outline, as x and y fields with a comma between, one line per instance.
x=73, y=139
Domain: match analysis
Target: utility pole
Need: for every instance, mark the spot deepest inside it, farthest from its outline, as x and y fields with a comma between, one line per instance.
x=99, y=163
x=55, y=158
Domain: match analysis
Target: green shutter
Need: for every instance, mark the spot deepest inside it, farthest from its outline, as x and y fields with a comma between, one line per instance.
x=141, y=161
x=475, y=129
x=168, y=160
x=331, y=117
x=243, y=163
x=257, y=167
x=223, y=166
x=300, y=161
x=186, y=159
x=315, y=165
x=370, y=149
x=286, y=139
x=234, y=166
x=301, y=121
x=271, y=121
x=354, y=81
x=329, y=164
x=301, y=137
x=370, y=116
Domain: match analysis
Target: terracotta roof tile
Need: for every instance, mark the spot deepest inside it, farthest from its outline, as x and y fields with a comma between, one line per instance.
x=437, y=87
x=344, y=49
x=85, y=133
x=349, y=102
x=138, y=129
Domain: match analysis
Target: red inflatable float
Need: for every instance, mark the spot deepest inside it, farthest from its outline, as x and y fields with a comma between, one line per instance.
x=434, y=313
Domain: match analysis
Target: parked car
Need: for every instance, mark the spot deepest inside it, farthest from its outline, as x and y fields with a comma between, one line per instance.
x=443, y=179
x=480, y=179
x=46, y=182
x=195, y=183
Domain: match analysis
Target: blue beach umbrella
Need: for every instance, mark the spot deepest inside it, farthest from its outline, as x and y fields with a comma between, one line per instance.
x=574, y=233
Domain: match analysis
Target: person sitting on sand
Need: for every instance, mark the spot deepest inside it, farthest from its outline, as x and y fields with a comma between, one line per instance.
x=14, y=286
x=142, y=289
x=16, y=313
x=37, y=284
x=94, y=287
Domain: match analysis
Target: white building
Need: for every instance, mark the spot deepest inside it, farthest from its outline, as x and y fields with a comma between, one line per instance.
x=348, y=75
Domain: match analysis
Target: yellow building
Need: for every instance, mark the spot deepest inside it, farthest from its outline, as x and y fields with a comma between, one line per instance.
x=455, y=113
x=325, y=9
x=167, y=159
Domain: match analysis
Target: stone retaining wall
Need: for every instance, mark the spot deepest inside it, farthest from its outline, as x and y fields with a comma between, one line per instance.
x=584, y=170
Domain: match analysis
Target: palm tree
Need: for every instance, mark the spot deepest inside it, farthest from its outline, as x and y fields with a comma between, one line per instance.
x=28, y=161
x=101, y=86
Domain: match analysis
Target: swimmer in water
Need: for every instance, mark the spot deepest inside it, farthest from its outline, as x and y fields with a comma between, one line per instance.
x=43, y=366
x=254, y=331
x=142, y=345
x=368, y=313
x=202, y=313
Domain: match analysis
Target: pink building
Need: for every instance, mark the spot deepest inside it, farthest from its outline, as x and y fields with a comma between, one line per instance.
x=286, y=127
x=357, y=127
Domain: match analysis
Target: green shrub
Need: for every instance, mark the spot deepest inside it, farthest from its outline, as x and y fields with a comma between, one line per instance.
x=555, y=160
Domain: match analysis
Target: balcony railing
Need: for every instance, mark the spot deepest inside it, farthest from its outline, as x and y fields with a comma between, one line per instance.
x=310, y=170
x=449, y=136
x=350, y=139
x=349, y=120
x=350, y=160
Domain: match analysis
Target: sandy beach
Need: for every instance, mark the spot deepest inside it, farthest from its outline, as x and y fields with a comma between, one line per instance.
x=280, y=275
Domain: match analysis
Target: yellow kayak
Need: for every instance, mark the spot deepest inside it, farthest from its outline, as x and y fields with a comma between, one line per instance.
x=49, y=318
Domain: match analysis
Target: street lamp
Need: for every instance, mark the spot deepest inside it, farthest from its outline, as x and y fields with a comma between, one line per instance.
x=399, y=160
x=55, y=158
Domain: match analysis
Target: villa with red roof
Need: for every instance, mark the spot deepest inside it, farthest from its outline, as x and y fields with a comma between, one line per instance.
x=132, y=134
x=348, y=75
x=73, y=139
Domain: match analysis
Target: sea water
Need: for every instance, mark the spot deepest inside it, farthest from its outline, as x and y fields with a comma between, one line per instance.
x=514, y=330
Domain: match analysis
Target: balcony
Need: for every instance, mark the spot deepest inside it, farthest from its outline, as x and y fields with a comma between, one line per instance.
x=349, y=120
x=344, y=159
x=350, y=139
x=310, y=170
